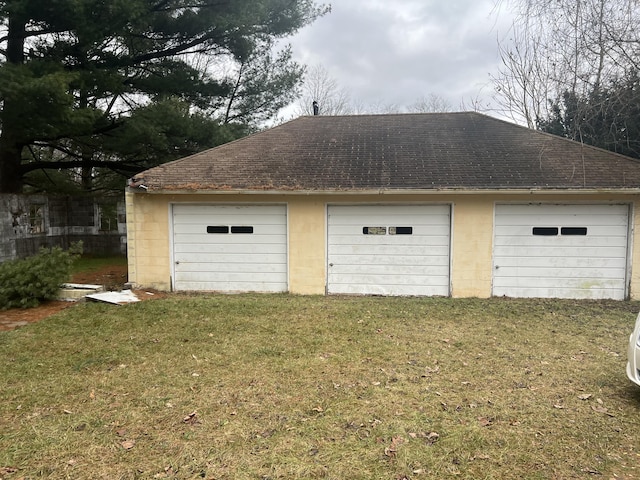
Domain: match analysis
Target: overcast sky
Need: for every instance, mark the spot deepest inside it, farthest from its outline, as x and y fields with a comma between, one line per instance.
x=392, y=52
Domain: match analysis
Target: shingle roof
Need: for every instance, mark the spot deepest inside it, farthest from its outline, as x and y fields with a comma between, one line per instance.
x=433, y=151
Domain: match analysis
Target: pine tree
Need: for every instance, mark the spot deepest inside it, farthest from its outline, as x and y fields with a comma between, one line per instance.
x=118, y=85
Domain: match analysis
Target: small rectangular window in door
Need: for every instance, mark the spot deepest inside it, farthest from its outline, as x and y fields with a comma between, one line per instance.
x=400, y=230
x=241, y=229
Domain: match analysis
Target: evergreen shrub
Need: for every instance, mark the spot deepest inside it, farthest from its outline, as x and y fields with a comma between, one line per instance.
x=26, y=282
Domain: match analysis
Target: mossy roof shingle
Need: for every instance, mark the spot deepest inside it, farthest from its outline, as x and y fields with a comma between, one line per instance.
x=433, y=151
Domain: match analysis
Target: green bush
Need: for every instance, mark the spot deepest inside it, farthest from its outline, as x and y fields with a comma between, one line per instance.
x=26, y=282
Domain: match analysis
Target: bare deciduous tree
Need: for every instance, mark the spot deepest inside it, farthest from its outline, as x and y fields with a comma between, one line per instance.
x=318, y=86
x=431, y=103
x=559, y=46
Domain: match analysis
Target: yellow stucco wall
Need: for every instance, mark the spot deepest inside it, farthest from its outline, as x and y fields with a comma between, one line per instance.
x=148, y=223
x=307, y=250
x=471, y=246
x=148, y=241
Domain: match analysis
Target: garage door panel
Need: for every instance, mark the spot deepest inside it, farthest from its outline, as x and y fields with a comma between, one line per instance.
x=576, y=252
x=381, y=289
x=385, y=262
x=190, y=210
x=393, y=211
x=525, y=231
x=565, y=221
x=416, y=238
x=563, y=262
x=210, y=252
x=513, y=274
x=589, y=263
x=186, y=239
x=256, y=230
x=550, y=243
x=342, y=261
x=263, y=221
x=571, y=288
x=373, y=269
x=244, y=249
x=564, y=291
x=228, y=286
x=233, y=277
x=560, y=211
x=408, y=250
x=209, y=263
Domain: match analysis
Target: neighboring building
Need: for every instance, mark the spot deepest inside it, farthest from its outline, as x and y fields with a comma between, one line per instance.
x=457, y=204
x=31, y=222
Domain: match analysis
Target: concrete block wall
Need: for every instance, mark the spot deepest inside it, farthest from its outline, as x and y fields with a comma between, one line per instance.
x=29, y=222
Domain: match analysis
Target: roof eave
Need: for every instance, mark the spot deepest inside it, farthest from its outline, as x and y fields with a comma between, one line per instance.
x=384, y=191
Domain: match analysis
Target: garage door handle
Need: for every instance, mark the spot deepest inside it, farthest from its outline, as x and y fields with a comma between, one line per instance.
x=497, y=267
x=177, y=263
x=331, y=264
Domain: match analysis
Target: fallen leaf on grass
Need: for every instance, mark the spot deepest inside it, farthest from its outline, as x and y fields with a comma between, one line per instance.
x=485, y=422
x=602, y=410
x=480, y=457
x=7, y=470
x=392, y=449
x=591, y=471
x=128, y=444
x=430, y=438
x=168, y=472
x=191, y=418
x=558, y=406
x=429, y=370
x=585, y=396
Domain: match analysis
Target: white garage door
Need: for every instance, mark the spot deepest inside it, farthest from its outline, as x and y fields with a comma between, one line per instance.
x=230, y=248
x=561, y=251
x=389, y=249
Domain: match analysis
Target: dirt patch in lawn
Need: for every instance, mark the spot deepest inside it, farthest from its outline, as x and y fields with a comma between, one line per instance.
x=112, y=277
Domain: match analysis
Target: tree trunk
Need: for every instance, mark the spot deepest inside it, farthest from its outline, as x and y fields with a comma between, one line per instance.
x=10, y=144
x=10, y=164
x=86, y=153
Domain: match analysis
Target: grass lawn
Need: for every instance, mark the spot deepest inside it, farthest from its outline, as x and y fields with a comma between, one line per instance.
x=89, y=263
x=289, y=387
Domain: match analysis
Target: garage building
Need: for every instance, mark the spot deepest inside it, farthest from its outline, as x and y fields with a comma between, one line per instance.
x=442, y=204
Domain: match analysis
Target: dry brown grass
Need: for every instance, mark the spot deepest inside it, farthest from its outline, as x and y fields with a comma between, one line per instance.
x=280, y=386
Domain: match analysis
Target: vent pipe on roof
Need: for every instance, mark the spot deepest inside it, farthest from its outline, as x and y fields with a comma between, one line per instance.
x=316, y=108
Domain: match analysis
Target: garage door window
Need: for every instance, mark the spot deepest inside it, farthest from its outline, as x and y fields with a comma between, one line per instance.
x=241, y=229
x=225, y=229
x=374, y=230
x=217, y=229
x=545, y=231
x=580, y=231
x=565, y=231
x=391, y=231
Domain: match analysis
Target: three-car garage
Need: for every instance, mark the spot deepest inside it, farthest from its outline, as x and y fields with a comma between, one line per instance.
x=539, y=250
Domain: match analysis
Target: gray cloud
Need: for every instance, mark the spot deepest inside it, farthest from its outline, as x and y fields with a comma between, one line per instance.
x=386, y=52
